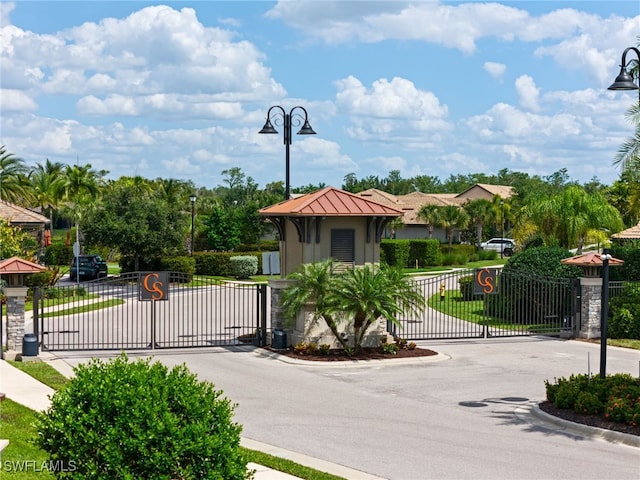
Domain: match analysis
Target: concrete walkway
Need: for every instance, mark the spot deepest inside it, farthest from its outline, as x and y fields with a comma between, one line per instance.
x=26, y=390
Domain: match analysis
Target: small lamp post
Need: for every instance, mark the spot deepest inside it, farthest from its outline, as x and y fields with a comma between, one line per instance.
x=192, y=199
x=288, y=119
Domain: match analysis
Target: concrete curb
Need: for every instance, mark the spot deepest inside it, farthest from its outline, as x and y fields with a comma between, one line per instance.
x=308, y=461
x=532, y=414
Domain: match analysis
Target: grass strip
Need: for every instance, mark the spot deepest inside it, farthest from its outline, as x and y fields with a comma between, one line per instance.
x=85, y=308
x=287, y=466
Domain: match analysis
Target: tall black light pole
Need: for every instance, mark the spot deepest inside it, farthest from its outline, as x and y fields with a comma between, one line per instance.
x=288, y=119
x=604, y=311
x=624, y=81
x=501, y=229
x=192, y=199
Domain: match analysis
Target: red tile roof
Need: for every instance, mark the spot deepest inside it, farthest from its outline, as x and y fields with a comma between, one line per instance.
x=590, y=259
x=329, y=202
x=19, y=265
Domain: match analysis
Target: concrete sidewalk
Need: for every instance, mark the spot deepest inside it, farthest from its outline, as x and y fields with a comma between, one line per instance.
x=25, y=390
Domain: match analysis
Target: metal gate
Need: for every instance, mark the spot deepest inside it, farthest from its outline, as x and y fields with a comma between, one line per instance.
x=111, y=314
x=516, y=305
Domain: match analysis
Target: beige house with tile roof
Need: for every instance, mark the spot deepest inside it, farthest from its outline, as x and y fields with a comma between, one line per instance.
x=23, y=218
x=627, y=235
x=411, y=203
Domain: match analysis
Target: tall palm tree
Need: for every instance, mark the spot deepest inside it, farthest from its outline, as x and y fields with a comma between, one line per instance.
x=479, y=211
x=47, y=186
x=12, y=174
x=81, y=185
x=430, y=215
x=452, y=218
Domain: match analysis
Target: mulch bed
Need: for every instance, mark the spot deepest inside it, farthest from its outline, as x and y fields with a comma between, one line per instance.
x=592, y=420
x=366, y=354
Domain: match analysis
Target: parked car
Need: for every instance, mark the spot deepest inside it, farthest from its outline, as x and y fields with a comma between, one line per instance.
x=89, y=267
x=505, y=245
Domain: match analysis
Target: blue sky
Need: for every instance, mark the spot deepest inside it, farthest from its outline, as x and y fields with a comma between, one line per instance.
x=181, y=89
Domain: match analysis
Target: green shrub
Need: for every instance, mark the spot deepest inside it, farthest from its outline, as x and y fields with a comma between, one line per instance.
x=630, y=254
x=139, y=419
x=395, y=253
x=182, y=264
x=244, y=266
x=424, y=252
x=454, y=259
x=466, y=289
x=616, y=396
x=40, y=279
x=624, y=314
x=58, y=254
x=588, y=403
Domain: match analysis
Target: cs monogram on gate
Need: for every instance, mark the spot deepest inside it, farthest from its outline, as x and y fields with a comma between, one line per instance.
x=154, y=286
x=484, y=281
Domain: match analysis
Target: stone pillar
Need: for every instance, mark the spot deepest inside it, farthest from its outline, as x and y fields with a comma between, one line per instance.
x=591, y=307
x=278, y=322
x=15, y=319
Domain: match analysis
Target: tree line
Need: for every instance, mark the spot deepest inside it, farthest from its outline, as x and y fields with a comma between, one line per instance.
x=145, y=218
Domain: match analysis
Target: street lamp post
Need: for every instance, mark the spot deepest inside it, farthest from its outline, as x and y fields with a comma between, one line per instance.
x=192, y=199
x=288, y=120
x=604, y=312
x=624, y=80
x=501, y=229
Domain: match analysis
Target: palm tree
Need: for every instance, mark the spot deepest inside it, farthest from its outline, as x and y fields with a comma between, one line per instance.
x=452, y=218
x=359, y=296
x=12, y=174
x=430, y=215
x=47, y=186
x=80, y=186
x=479, y=212
x=568, y=218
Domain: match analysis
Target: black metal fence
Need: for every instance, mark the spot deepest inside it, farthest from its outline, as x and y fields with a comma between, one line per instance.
x=519, y=305
x=110, y=314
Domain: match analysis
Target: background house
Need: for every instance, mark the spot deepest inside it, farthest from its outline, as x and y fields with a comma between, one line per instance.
x=410, y=205
x=25, y=219
x=627, y=235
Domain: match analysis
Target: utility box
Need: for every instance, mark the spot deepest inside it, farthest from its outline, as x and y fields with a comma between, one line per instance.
x=279, y=340
x=30, y=345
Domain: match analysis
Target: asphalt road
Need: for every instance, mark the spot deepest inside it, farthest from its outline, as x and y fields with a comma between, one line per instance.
x=452, y=418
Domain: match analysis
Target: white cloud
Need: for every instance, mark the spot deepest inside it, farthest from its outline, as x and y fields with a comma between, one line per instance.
x=17, y=101
x=528, y=93
x=156, y=50
x=5, y=12
x=496, y=70
x=393, y=107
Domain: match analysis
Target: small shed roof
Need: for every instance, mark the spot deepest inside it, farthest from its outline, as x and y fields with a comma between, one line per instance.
x=590, y=259
x=330, y=202
x=19, y=265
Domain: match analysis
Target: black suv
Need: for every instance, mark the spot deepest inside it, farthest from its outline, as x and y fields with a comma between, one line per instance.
x=90, y=267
